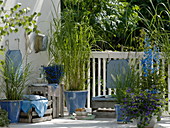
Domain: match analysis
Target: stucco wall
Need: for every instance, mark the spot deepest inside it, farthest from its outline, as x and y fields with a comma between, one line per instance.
x=46, y=9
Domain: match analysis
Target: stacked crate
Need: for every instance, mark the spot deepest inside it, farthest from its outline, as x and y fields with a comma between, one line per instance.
x=55, y=103
x=103, y=107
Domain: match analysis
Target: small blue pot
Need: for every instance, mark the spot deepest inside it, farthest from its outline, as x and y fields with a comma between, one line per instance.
x=119, y=115
x=13, y=108
x=54, y=73
x=75, y=99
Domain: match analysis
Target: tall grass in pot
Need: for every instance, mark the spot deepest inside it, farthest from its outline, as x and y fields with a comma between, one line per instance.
x=70, y=45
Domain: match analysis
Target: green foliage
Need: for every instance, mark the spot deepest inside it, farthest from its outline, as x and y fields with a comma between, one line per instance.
x=15, y=79
x=70, y=45
x=15, y=18
x=4, y=121
x=128, y=79
x=117, y=20
x=12, y=20
x=154, y=21
x=157, y=26
x=150, y=4
x=142, y=106
x=147, y=99
x=113, y=21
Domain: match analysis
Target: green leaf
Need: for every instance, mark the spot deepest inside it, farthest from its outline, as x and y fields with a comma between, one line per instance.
x=6, y=26
x=2, y=8
x=19, y=24
x=35, y=13
x=16, y=30
x=33, y=21
x=1, y=28
x=6, y=16
x=39, y=14
x=1, y=1
x=113, y=77
x=16, y=7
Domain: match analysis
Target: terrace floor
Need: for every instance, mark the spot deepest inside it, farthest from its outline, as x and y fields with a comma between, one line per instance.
x=66, y=122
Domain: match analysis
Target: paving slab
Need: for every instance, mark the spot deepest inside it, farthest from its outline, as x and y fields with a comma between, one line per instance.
x=66, y=122
x=164, y=123
x=70, y=123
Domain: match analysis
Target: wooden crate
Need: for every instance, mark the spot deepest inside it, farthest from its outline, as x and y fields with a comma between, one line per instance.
x=56, y=97
x=55, y=103
x=32, y=116
x=107, y=112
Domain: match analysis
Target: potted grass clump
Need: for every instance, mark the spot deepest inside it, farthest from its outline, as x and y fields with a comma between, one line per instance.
x=123, y=78
x=70, y=45
x=14, y=76
x=14, y=81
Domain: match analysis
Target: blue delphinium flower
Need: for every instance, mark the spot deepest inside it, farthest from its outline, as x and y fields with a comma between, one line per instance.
x=151, y=57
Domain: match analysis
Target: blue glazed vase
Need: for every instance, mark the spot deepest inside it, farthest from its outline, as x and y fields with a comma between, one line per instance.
x=13, y=108
x=75, y=99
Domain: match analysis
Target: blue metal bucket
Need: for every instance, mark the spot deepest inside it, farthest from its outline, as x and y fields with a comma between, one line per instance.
x=75, y=99
x=13, y=108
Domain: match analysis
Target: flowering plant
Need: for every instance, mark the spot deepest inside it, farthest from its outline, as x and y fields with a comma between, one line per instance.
x=147, y=99
x=153, y=76
x=142, y=106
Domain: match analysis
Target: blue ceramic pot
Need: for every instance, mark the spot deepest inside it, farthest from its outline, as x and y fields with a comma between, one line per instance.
x=13, y=108
x=54, y=73
x=119, y=114
x=75, y=99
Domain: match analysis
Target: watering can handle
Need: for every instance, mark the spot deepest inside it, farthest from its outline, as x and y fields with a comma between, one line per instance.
x=18, y=40
x=7, y=42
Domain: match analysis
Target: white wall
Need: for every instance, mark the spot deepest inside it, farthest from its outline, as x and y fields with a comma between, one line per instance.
x=46, y=9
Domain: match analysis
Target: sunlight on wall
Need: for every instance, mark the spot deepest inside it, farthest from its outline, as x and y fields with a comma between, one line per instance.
x=46, y=9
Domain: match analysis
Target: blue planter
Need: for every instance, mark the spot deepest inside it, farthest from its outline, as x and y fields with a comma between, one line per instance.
x=75, y=99
x=119, y=114
x=54, y=73
x=13, y=108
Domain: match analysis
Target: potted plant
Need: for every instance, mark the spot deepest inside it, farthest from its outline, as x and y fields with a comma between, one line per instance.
x=70, y=45
x=14, y=81
x=143, y=107
x=14, y=76
x=123, y=78
x=54, y=73
x=146, y=101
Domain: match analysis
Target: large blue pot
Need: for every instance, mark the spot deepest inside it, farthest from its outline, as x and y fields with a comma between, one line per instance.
x=75, y=99
x=13, y=108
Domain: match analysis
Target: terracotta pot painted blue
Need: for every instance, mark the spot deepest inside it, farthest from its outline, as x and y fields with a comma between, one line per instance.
x=119, y=114
x=13, y=108
x=75, y=99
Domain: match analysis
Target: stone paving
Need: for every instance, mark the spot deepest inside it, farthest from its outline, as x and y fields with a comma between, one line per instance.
x=70, y=123
x=66, y=122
